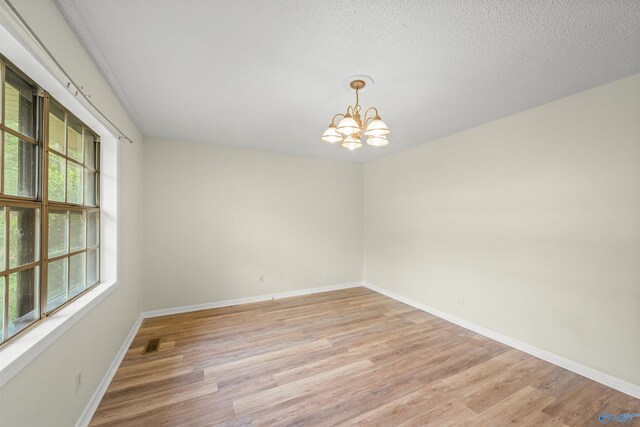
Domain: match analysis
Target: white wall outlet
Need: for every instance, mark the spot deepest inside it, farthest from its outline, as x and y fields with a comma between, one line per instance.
x=461, y=300
x=261, y=278
x=78, y=381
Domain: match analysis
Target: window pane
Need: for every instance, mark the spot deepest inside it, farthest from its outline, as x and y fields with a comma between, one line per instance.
x=93, y=231
x=92, y=267
x=58, y=233
x=2, y=281
x=23, y=299
x=89, y=188
x=18, y=104
x=20, y=165
x=3, y=260
x=74, y=183
x=57, y=173
x=23, y=236
x=89, y=150
x=77, y=237
x=57, y=139
x=74, y=139
x=56, y=283
x=76, y=274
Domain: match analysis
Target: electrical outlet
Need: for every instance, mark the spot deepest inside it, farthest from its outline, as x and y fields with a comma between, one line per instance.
x=261, y=279
x=78, y=381
x=461, y=300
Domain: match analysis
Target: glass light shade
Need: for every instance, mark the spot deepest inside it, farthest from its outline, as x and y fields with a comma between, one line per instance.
x=331, y=136
x=332, y=139
x=378, y=141
x=377, y=128
x=352, y=142
x=348, y=126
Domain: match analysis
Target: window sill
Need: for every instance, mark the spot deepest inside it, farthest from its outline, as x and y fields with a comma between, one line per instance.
x=17, y=354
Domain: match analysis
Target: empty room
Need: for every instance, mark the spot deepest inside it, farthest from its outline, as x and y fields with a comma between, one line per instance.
x=319, y=213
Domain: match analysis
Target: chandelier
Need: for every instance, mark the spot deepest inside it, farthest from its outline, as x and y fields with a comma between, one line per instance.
x=352, y=127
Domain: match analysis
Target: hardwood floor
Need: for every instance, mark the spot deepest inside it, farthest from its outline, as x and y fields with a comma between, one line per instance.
x=350, y=357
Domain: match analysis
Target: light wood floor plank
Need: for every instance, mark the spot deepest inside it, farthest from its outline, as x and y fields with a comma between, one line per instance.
x=350, y=357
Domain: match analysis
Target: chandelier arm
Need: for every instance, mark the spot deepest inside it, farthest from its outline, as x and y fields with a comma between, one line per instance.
x=371, y=108
x=366, y=119
x=333, y=120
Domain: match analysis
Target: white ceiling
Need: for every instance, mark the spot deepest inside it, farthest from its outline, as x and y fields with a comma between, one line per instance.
x=268, y=74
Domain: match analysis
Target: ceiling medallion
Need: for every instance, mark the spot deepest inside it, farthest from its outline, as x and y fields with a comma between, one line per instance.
x=352, y=127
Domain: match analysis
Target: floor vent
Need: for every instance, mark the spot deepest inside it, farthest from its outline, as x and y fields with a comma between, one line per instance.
x=152, y=346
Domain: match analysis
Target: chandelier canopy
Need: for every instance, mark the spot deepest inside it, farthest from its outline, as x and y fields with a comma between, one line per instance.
x=352, y=128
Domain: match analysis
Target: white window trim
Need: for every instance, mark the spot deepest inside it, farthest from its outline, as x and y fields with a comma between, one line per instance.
x=22, y=350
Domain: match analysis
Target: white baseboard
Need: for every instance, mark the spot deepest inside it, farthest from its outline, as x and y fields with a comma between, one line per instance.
x=91, y=407
x=93, y=403
x=606, y=379
x=247, y=300
x=585, y=371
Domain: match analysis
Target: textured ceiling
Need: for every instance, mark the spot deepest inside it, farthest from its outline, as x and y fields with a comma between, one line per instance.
x=268, y=74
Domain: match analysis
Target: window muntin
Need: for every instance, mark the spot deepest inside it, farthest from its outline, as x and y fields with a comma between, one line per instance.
x=57, y=284
x=23, y=303
x=19, y=104
x=20, y=167
x=73, y=215
x=57, y=128
x=49, y=204
x=24, y=236
x=57, y=178
x=20, y=275
x=73, y=242
x=73, y=156
x=74, y=183
x=20, y=151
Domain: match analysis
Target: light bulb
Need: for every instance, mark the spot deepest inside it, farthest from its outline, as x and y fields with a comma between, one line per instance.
x=332, y=139
x=330, y=135
x=377, y=141
x=352, y=142
x=348, y=126
x=377, y=128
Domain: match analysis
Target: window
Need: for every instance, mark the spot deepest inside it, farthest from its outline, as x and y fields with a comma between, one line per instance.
x=49, y=204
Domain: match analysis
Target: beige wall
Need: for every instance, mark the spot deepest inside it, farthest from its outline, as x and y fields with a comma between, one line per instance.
x=43, y=394
x=534, y=219
x=219, y=217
